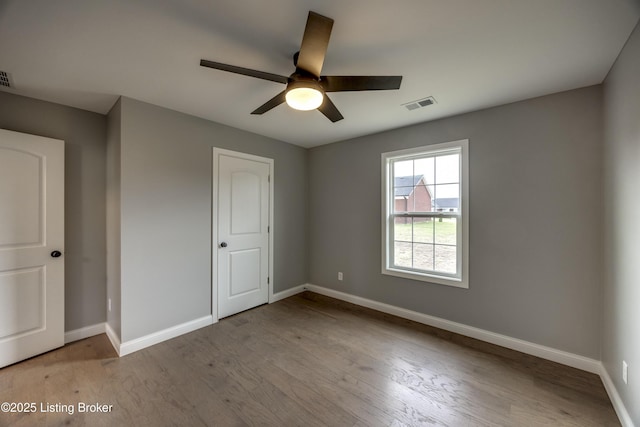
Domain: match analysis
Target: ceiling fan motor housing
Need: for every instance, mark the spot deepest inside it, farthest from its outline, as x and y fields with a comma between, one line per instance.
x=300, y=79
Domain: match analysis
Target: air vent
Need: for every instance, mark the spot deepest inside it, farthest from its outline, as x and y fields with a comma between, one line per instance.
x=5, y=79
x=420, y=103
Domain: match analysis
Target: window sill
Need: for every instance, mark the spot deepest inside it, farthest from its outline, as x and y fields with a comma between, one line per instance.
x=423, y=277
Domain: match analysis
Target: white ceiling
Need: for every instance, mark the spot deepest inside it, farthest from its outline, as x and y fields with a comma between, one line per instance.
x=468, y=54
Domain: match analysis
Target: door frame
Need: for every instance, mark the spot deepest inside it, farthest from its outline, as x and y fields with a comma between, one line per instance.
x=214, y=222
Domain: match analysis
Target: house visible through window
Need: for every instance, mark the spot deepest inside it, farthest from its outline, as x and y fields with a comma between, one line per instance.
x=425, y=213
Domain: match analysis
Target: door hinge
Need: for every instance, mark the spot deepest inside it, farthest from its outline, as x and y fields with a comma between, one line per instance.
x=268, y=178
x=267, y=280
x=268, y=229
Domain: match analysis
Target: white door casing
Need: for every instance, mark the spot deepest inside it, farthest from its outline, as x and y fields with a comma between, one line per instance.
x=31, y=228
x=242, y=216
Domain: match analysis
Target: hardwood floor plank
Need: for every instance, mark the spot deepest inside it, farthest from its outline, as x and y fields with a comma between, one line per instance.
x=334, y=358
x=308, y=360
x=567, y=383
x=386, y=370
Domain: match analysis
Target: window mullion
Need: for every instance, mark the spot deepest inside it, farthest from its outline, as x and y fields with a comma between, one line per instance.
x=413, y=174
x=413, y=239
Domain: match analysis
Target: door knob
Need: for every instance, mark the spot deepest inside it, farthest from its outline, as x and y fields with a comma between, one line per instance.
x=223, y=244
x=56, y=254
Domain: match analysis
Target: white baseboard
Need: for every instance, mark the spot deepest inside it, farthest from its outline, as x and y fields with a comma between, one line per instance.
x=616, y=400
x=548, y=353
x=113, y=337
x=287, y=293
x=82, y=333
x=166, y=334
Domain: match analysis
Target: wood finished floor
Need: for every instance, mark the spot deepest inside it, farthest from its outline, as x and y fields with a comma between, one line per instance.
x=308, y=360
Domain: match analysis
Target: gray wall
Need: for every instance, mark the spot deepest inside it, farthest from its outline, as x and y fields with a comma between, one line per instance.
x=165, y=203
x=535, y=220
x=621, y=326
x=84, y=135
x=113, y=216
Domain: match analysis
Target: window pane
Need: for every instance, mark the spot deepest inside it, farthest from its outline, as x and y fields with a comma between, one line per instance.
x=425, y=168
x=403, y=186
x=423, y=230
x=403, y=168
x=432, y=195
x=445, y=259
x=448, y=169
x=402, y=254
x=423, y=256
x=446, y=198
x=403, y=199
x=402, y=229
x=445, y=231
x=421, y=197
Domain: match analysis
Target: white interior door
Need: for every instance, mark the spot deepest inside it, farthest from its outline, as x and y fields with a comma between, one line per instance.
x=241, y=230
x=31, y=229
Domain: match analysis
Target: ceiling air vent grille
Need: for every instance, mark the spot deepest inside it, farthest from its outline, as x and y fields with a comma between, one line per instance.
x=5, y=79
x=420, y=103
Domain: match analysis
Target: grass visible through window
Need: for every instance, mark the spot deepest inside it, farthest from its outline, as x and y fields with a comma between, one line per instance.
x=430, y=243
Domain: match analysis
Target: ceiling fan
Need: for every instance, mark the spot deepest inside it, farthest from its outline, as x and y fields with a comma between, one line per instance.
x=306, y=87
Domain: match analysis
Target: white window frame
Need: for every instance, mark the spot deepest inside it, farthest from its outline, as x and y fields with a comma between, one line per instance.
x=461, y=278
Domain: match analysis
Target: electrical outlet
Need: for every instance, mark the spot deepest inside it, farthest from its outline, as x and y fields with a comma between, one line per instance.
x=625, y=372
x=109, y=304
x=340, y=275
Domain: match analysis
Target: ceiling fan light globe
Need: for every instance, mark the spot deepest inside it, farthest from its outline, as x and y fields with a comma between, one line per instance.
x=304, y=98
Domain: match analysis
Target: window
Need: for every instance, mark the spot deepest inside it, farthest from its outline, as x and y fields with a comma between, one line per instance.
x=425, y=224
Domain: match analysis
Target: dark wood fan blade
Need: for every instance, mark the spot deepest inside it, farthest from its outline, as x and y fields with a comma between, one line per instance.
x=244, y=71
x=314, y=43
x=355, y=83
x=272, y=103
x=330, y=110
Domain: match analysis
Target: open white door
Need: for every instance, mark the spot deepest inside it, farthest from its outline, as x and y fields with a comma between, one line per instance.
x=241, y=255
x=31, y=245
